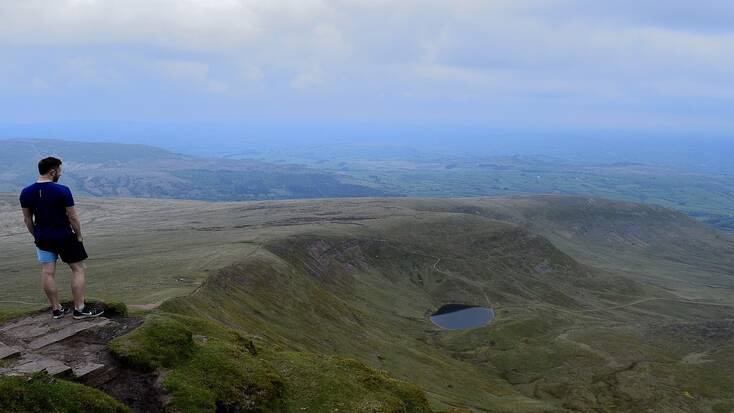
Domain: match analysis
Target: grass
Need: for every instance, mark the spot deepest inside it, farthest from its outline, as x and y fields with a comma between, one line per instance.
x=159, y=343
x=41, y=393
x=217, y=368
x=366, y=291
x=6, y=315
x=704, y=196
x=115, y=309
x=313, y=284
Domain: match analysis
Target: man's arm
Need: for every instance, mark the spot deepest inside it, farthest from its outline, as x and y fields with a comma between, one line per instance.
x=28, y=219
x=74, y=221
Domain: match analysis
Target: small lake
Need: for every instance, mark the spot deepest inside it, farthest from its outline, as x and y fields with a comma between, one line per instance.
x=462, y=317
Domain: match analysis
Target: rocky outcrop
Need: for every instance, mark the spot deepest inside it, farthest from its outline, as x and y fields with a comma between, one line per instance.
x=76, y=350
x=39, y=343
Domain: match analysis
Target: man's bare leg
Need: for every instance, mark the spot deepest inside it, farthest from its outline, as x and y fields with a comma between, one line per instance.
x=78, y=270
x=48, y=272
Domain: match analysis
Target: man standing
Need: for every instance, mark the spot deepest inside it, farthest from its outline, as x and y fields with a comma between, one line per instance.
x=57, y=232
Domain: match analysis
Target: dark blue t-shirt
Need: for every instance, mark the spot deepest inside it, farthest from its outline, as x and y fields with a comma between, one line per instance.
x=47, y=202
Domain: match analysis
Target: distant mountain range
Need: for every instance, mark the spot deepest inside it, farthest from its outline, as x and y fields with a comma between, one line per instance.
x=113, y=169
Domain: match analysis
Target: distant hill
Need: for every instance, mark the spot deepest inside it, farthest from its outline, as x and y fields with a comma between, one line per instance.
x=113, y=169
x=707, y=195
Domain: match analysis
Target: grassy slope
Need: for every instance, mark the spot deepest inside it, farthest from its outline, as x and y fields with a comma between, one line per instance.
x=357, y=277
x=141, y=251
x=41, y=393
x=211, y=367
x=649, y=243
x=366, y=292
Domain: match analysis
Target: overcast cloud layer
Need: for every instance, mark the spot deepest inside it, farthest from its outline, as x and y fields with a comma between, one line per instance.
x=548, y=64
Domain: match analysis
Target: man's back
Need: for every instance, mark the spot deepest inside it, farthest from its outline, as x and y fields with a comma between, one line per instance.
x=48, y=202
x=49, y=214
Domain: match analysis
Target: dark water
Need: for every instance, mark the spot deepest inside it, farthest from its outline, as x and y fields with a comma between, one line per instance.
x=462, y=317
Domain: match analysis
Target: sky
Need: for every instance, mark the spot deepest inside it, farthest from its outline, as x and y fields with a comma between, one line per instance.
x=409, y=67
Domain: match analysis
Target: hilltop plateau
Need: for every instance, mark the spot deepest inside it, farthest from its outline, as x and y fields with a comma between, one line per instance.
x=600, y=305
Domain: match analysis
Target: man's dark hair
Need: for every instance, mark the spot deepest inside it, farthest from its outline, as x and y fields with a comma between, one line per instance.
x=47, y=164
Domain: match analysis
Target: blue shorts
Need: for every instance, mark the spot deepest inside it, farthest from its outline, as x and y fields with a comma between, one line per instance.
x=45, y=257
x=69, y=249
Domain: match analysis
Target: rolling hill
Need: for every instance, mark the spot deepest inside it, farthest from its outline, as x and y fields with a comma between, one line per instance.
x=113, y=169
x=600, y=305
x=342, y=170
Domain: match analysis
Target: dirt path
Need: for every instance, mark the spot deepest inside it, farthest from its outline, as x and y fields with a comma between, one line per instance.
x=145, y=307
x=621, y=305
x=653, y=299
x=618, y=306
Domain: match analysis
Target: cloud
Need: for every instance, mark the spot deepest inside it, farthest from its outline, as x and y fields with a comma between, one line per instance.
x=190, y=73
x=185, y=24
x=493, y=60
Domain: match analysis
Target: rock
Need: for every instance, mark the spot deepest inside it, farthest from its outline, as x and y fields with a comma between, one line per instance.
x=51, y=366
x=7, y=352
x=23, y=322
x=25, y=332
x=77, y=350
x=86, y=369
x=65, y=333
x=59, y=347
x=32, y=327
x=250, y=346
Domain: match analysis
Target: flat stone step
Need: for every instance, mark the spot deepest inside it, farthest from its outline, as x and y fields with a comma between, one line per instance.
x=86, y=369
x=7, y=352
x=51, y=366
x=41, y=325
x=65, y=333
x=64, y=347
x=22, y=322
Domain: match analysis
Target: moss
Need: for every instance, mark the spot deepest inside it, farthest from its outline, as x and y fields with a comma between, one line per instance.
x=223, y=376
x=225, y=370
x=115, y=309
x=159, y=342
x=723, y=407
x=41, y=393
x=7, y=315
x=324, y=383
x=411, y=398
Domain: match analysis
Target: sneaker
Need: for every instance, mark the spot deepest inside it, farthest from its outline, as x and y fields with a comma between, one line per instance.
x=57, y=314
x=87, y=312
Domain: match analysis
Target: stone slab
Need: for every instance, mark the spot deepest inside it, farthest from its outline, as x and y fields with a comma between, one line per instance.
x=7, y=352
x=40, y=325
x=27, y=332
x=86, y=369
x=51, y=366
x=22, y=322
x=35, y=326
x=65, y=333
